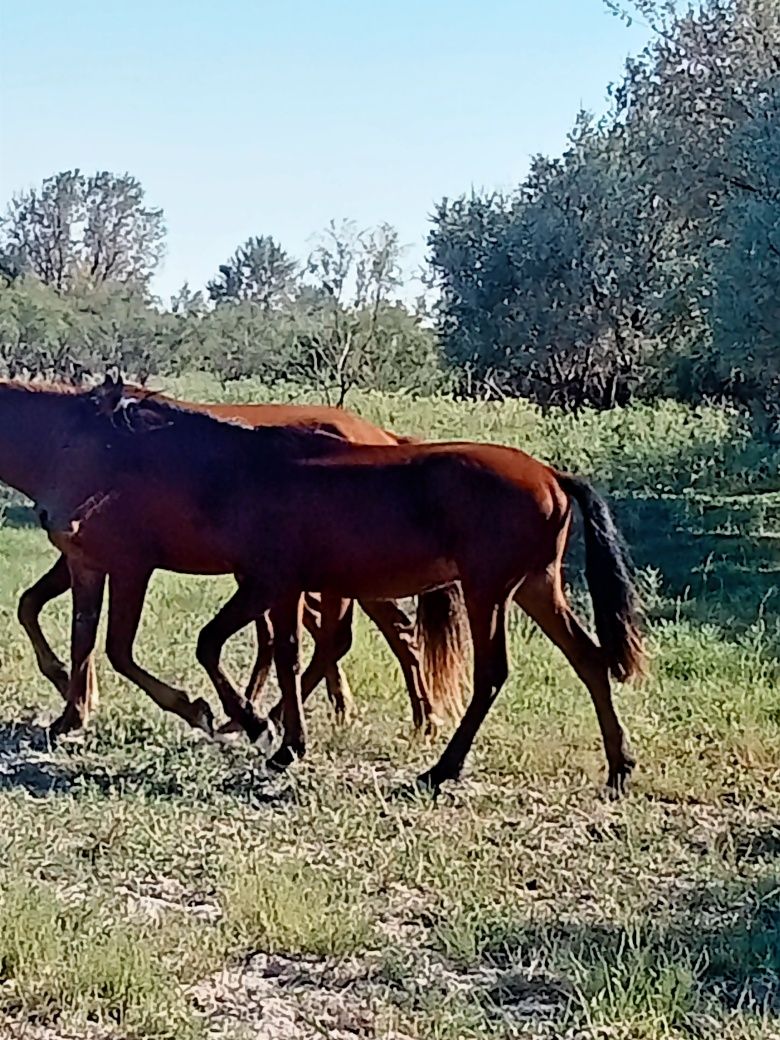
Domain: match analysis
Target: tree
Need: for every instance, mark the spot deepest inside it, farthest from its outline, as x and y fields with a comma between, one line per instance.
x=553, y=291
x=594, y=281
x=705, y=99
x=260, y=271
x=188, y=301
x=352, y=276
x=745, y=302
x=76, y=229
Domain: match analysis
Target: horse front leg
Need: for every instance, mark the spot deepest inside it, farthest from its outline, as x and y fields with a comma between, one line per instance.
x=126, y=595
x=264, y=658
x=286, y=620
x=55, y=582
x=244, y=606
x=87, y=590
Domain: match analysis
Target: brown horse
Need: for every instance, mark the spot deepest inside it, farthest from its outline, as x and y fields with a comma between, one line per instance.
x=297, y=513
x=433, y=691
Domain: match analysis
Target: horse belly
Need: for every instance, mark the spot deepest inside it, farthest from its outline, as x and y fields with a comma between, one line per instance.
x=128, y=534
x=370, y=568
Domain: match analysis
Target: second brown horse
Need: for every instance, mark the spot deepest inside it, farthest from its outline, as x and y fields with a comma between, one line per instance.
x=434, y=691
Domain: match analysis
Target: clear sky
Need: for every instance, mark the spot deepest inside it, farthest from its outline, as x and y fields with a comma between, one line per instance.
x=245, y=118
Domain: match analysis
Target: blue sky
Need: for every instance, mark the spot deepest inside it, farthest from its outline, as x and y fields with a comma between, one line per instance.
x=246, y=118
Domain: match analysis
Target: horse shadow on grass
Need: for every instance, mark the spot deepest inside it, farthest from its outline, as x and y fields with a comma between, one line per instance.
x=713, y=949
x=196, y=773
x=26, y=761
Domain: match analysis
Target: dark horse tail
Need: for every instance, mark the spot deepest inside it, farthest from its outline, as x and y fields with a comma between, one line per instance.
x=608, y=571
x=442, y=635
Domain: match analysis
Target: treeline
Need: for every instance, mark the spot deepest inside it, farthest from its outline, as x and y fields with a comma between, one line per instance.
x=643, y=262
x=78, y=256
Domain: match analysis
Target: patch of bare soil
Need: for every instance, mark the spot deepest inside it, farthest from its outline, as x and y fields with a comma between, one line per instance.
x=271, y=997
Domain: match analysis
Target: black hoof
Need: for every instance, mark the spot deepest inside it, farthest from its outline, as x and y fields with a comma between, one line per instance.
x=254, y=726
x=203, y=717
x=282, y=760
x=619, y=778
x=69, y=722
x=428, y=783
x=229, y=728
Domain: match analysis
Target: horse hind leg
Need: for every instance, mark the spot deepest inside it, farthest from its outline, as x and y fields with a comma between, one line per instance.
x=487, y=621
x=287, y=634
x=399, y=634
x=244, y=606
x=334, y=641
x=543, y=599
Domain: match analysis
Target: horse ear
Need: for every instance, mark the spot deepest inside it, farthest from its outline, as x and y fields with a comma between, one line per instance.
x=108, y=395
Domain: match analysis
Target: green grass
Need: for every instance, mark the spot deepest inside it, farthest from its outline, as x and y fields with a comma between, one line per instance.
x=155, y=885
x=292, y=907
x=74, y=959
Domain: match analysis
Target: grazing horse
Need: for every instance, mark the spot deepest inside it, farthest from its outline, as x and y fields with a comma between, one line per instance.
x=286, y=512
x=433, y=690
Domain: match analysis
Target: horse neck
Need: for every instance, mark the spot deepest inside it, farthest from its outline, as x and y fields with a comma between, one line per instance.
x=32, y=424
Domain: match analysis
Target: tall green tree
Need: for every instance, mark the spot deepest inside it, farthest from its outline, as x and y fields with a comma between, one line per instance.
x=77, y=229
x=261, y=271
x=745, y=257
x=352, y=276
x=595, y=280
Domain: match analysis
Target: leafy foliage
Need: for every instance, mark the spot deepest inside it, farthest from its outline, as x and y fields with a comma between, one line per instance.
x=616, y=271
x=259, y=270
x=77, y=230
x=316, y=340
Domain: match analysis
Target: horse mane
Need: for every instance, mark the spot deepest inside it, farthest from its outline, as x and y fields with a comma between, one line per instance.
x=126, y=415
x=151, y=412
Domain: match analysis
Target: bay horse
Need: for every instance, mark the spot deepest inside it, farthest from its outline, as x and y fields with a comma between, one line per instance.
x=433, y=690
x=357, y=523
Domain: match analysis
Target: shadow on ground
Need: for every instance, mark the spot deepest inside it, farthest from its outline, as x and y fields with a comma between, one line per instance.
x=716, y=946
x=190, y=771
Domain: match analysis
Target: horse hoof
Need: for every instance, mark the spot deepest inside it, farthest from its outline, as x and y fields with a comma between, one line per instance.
x=203, y=717
x=70, y=722
x=254, y=726
x=282, y=760
x=427, y=783
x=618, y=780
x=229, y=729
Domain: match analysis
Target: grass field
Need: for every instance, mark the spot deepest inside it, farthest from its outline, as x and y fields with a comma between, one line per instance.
x=155, y=885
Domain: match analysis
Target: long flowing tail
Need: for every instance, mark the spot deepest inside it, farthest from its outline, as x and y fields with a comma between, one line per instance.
x=608, y=571
x=442, y=635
